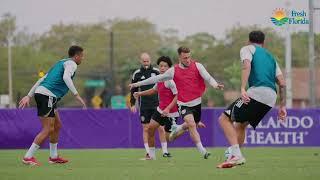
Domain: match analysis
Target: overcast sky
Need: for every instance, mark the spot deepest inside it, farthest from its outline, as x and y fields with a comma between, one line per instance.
x=187, y=16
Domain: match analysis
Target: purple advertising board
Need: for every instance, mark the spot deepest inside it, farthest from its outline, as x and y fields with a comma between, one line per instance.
x=301, y=128
x=107, y=128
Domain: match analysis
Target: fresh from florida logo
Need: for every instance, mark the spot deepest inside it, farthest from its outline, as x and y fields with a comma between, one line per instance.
x=281, y=17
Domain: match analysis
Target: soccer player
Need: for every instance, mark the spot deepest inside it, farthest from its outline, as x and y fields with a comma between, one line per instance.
x=189, y=77
x=47, y=91
x=167, y=111
x=261, y=72
x=147, y=104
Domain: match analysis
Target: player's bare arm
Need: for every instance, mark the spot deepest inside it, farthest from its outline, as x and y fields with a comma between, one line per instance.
x=246, y=68
x=145, y=93
x=282, y=93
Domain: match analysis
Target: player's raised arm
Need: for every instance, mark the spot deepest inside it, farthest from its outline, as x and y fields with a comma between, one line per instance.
x=148, y=92
x=207, y=77
x=168, y=75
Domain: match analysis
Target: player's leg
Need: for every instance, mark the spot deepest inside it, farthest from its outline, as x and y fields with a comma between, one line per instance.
x=47, y=126
x=47, y=123
x=153, y=126
x=241, y=132
x=54, y=137
x=194, y=134
x=177, y=131
x=235, y=112
x=192, y=118
x=163, y=140
x=235, y=157
x=228, y=129
x=145, y=136
x=144, y=117
x=156, y=116
x=159, y=122
x=167, y=123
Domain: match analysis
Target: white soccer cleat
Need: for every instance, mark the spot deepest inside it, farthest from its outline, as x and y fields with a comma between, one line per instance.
x=237, y=160
x=174, y=132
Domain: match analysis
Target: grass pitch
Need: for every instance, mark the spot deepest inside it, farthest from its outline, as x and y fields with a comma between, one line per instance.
x=186, y=163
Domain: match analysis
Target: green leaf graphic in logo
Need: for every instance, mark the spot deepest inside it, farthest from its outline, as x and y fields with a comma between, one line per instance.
x=279, y=22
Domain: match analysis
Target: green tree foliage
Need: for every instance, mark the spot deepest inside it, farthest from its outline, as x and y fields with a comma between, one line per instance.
x=35, y=52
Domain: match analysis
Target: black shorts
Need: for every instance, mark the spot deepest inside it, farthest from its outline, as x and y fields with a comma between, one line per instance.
x=164, y=121
x=46, y=105
x=253, y=112
x=146, y=114
x=195, y=111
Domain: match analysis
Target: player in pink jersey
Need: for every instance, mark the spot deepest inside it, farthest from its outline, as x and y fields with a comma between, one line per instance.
x=189, y=77
x=167, y=111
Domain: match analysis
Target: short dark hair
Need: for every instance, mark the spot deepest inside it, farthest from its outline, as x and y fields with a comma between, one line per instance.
x=256, y=37
x=183, y=49
x=73, y=50
x=165, y=59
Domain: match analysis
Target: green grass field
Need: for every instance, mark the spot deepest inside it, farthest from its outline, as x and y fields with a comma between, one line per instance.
x=262, y=163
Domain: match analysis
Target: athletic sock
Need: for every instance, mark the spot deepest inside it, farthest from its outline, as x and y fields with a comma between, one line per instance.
x=146, y=146
x=164, y=147
x=201, y=149
x=235, y=150
x=152, y=153
x=53, y=150
x=33, y=148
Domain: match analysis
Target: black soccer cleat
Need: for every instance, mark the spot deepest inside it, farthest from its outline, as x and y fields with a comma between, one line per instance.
x=166, y=155
x=206, y=156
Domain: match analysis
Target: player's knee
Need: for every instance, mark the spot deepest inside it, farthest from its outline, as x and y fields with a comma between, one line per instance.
x=145, y=128
x=51, y=129
x=161, y=130
x=192, y=125
x=240, y=127
x=45, y=131
x=151, y=131
x=222, y=119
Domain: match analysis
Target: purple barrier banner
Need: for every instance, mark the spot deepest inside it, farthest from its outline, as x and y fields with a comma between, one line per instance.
x=90, y=128
x=301, y=128
x=107, y=128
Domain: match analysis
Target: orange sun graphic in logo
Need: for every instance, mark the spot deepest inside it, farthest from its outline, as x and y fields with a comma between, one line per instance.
x=279, y=17
x=279, y=14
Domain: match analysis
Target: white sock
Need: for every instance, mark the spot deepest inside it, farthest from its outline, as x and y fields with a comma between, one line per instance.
x=146, y=146
x=164, y=147
x=235, y=150
x=33, y=148
x=201, y=149
x=152, y=153
x=53, y=150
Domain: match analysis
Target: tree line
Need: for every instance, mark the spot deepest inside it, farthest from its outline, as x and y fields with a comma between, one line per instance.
x=38, y=52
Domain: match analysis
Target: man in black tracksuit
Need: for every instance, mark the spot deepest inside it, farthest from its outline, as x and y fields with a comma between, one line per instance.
x=147, y=104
